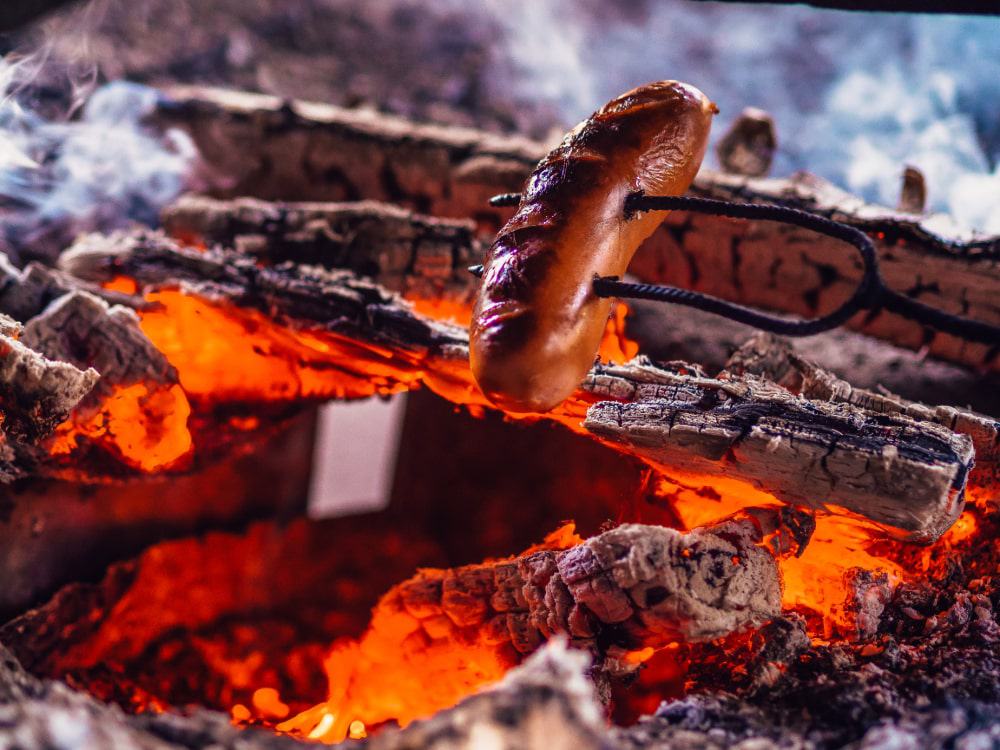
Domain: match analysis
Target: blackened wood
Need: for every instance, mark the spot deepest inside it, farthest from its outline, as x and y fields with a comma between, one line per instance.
x=416, y=255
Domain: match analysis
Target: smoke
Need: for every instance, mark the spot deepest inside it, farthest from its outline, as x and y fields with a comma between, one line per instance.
x=76, y=156
x=856, y=96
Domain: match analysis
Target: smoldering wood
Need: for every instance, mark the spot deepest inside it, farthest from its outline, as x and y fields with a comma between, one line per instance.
x=424, y=270
x=906, y=474
x=24, y=293
x=41, y=714
x=811, y=453
x=409, y=253
x=37, y=393
x=287, y=150
x=668, y=332
x=83, y=330
x=630, y=588
x=777, y=360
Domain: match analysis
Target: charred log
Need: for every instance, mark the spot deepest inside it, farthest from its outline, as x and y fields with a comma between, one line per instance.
x=417, y=256
x=633, y=588
x=777, y=360
x=807, y=453
x=36, y=393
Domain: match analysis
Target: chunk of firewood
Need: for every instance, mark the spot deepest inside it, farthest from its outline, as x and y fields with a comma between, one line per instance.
x=280, y=150
x=269, y=148
x=748, y=146
x=84, y=330
x=903, y=473
x=36, y=394
x=781, y=267
x=418, y=256
x=632, y=588
x=778, y=360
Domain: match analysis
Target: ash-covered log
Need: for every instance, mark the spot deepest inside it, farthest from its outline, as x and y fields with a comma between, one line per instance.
x=810, y=453
x=36, y=395
x=903, y=473
x=282, y=150
x=635, y=588
x=547, y=702
x=777, y=360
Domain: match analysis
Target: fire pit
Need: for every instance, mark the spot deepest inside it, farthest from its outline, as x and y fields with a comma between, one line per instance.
x=722, y=538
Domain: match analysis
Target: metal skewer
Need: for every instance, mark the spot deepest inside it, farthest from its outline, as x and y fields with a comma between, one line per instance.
x=870, y=294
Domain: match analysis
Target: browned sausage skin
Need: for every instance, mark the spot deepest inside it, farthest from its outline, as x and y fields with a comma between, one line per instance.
x=537, y=324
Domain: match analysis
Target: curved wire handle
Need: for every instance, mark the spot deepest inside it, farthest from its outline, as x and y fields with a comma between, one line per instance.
x=870, y=294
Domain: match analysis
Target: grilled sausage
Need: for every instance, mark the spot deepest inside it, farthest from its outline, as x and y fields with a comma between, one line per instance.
x=537, y=323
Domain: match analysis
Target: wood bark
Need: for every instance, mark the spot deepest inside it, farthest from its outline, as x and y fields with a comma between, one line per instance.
x=904, y=473
x=777, y=360
x=633, y=587
x=269, y=148
x=415, y=255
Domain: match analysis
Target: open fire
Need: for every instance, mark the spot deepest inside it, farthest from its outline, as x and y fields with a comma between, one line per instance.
x=771, y=546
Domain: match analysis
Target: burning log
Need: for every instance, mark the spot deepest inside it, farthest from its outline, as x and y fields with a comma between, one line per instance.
x=904, y=474
x=36, y=394
x=776, y=359
x=269, y=148
x=807, y=453
x=418, y=256
x=636, y=588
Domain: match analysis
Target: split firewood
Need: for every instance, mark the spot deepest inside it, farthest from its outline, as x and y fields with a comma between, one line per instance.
x=635, y=588
x=905, y=474
x=811, y=453
x=83, y=330
x=777, y=266
x=279, y=150
x=269, y=148
x=417, y=256
x=777, y=360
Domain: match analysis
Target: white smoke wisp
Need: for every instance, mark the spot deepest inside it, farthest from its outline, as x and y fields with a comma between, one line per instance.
x=856, y=96
x=85, y=162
